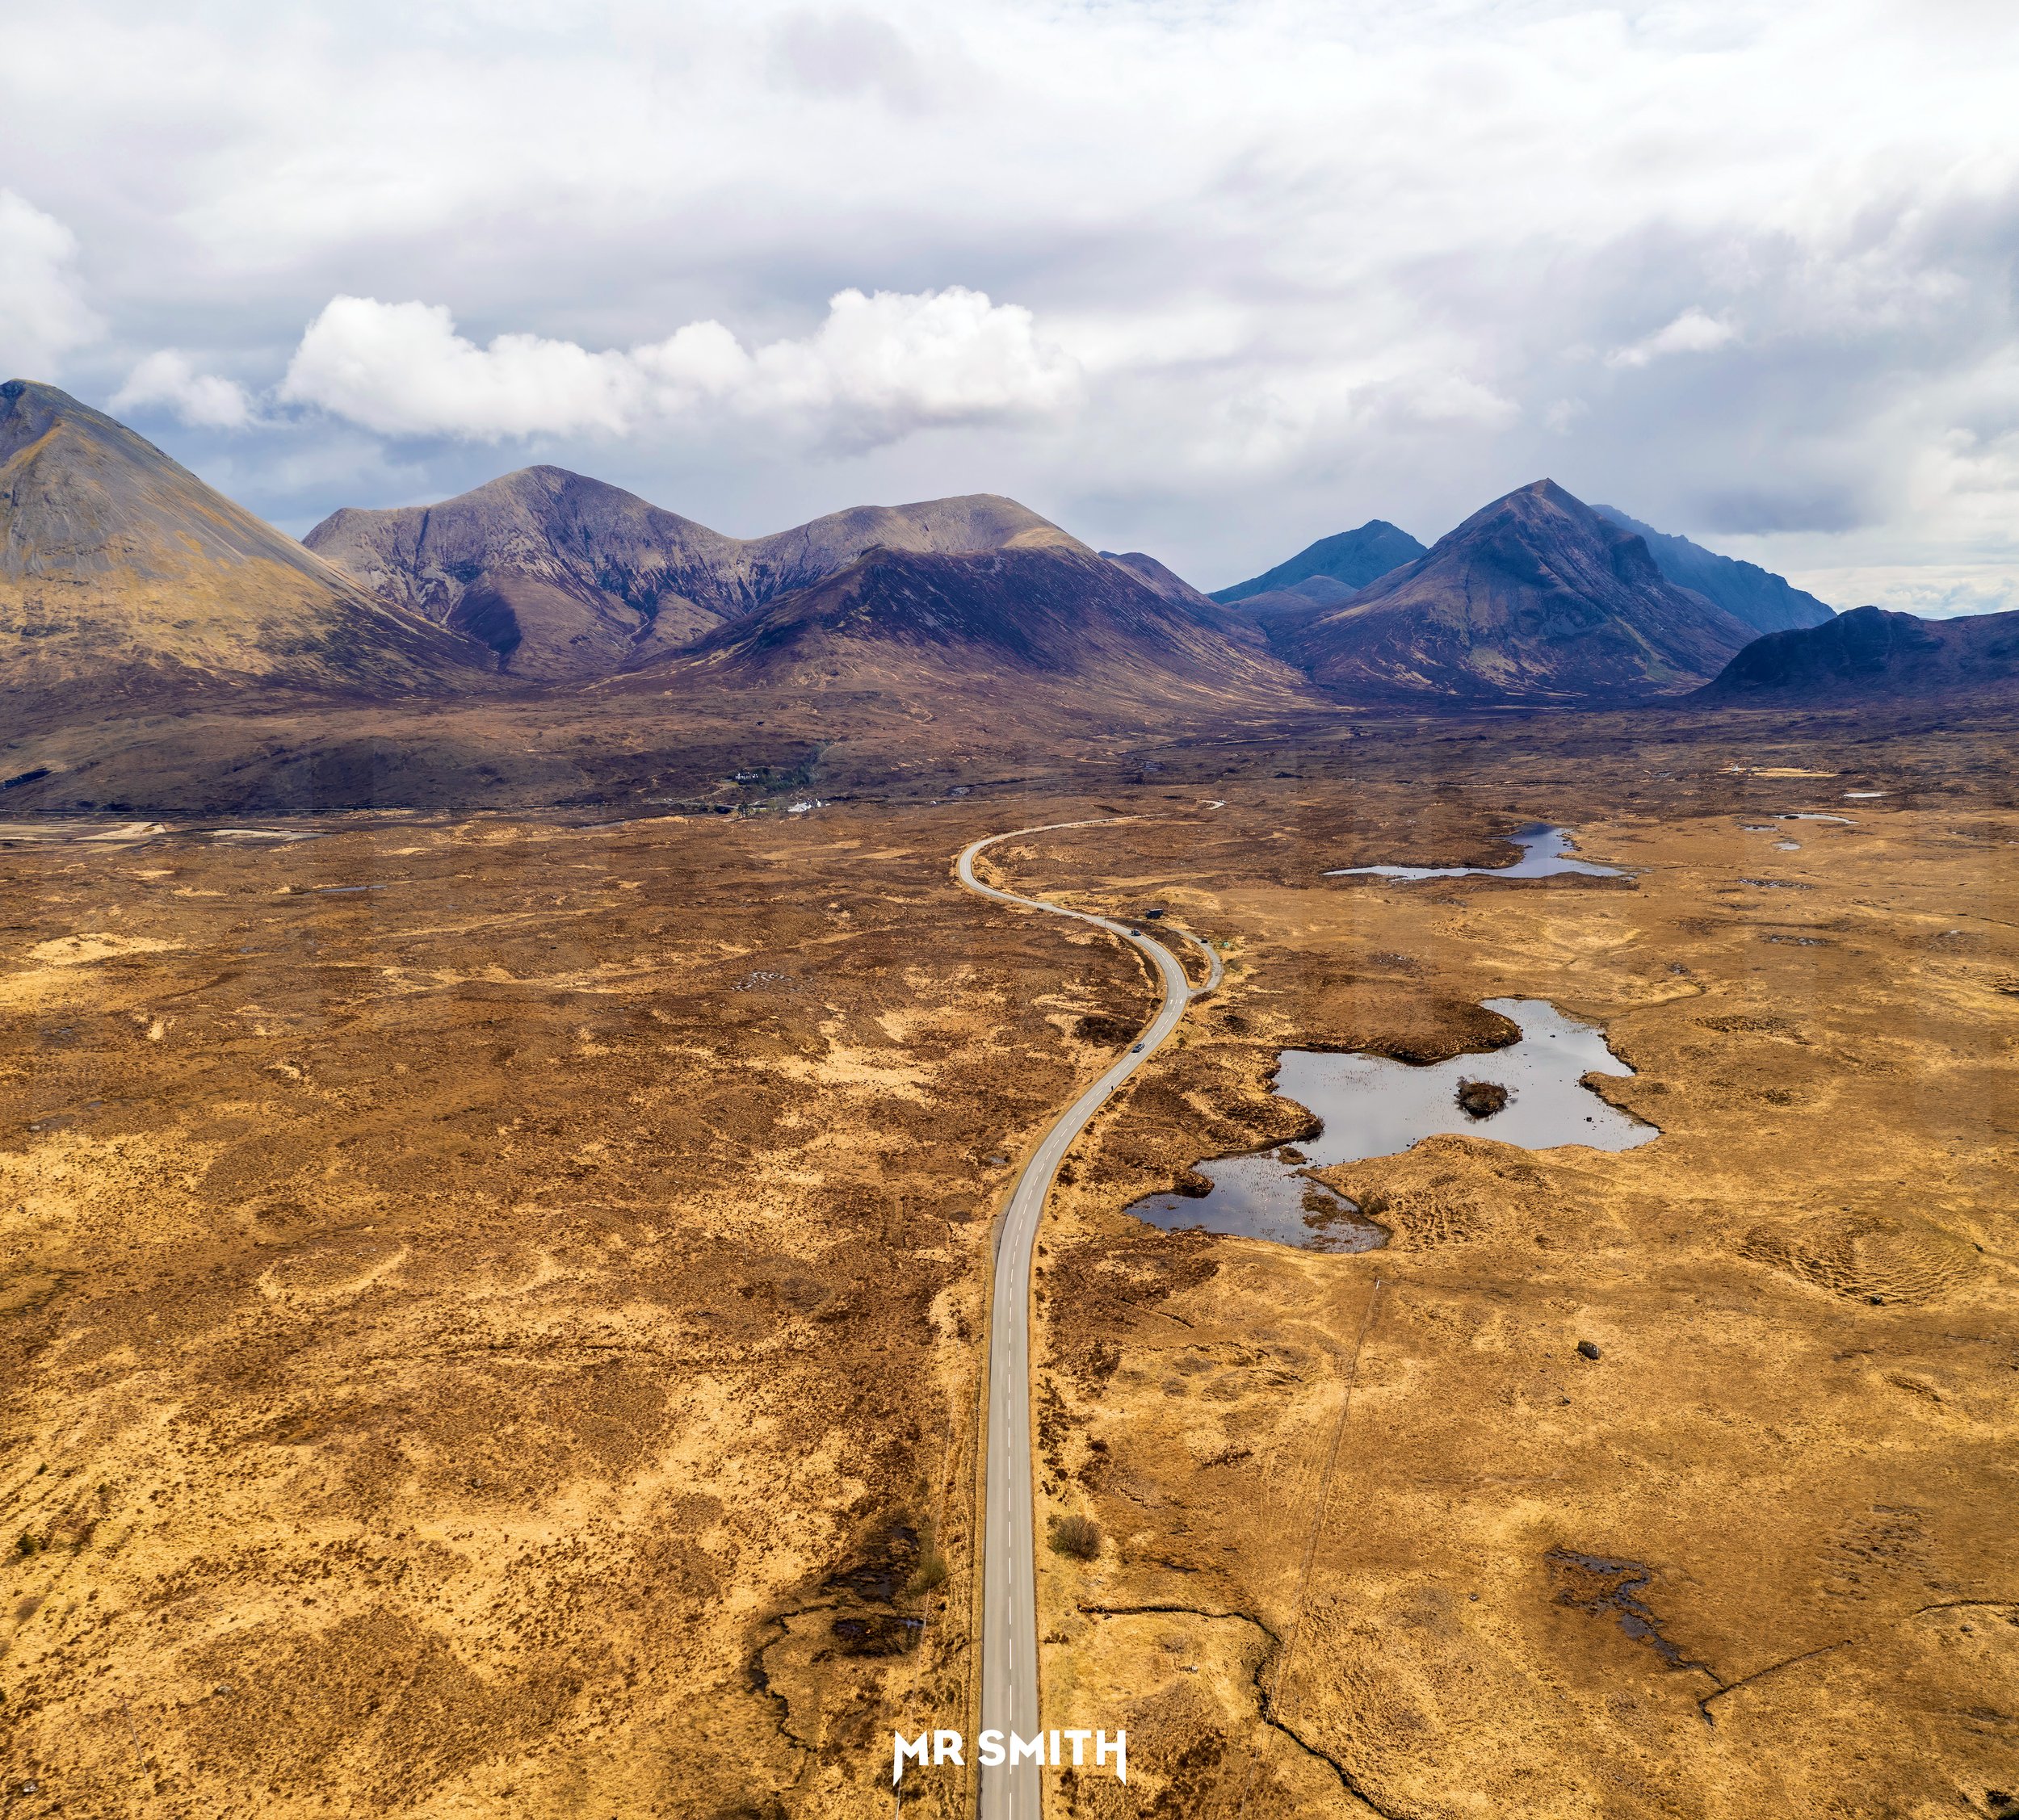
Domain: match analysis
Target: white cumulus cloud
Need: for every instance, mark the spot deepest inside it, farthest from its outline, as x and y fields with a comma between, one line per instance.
x=1695, y=331
x=402, y=370
x=168, y=380
x=879, y=366
x=43, y=313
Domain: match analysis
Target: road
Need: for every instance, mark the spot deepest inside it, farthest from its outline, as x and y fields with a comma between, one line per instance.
x=1008, y=1547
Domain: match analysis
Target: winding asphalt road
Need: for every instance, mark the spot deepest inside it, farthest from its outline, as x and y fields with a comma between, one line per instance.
x=1010, y=1566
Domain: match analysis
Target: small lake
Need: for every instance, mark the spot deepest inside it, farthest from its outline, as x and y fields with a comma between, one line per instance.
x=1545, y=852
x=1372, y=1106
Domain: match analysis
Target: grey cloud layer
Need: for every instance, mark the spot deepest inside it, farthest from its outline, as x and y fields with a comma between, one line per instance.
x=1210, y=279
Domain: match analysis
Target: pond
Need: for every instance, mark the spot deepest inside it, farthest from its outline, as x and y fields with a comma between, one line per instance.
x=1373, y=1106
x=1545, y=852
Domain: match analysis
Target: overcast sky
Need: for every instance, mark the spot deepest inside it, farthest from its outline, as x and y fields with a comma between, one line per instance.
x=1208, y=278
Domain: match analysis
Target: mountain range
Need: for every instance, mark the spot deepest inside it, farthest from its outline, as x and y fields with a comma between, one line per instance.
x=126, y=581
x=1536, y=600
x=1333, y=569
x=565, y=578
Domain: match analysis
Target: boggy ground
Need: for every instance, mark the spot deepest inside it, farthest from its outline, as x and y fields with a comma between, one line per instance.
x=1673, y=1482
x=506, y=1343
x=489, y=1310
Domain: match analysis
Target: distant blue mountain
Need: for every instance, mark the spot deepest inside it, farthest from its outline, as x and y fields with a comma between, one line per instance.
x=1353, y=557
x=1761, y=598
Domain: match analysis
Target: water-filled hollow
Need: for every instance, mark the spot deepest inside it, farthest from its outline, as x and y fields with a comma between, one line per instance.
x=1371, y=1106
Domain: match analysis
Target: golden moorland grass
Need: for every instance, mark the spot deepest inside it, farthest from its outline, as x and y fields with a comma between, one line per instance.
x=1675, y=1481
x=492, y=1309
x=489, y=1309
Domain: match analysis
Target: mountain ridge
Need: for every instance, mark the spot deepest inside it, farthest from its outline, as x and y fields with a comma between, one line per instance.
x=1766, y=601
x=1066, y=622
x=1871, y=654
x=1353, y=557
x=1536, y=599
x=567, y=578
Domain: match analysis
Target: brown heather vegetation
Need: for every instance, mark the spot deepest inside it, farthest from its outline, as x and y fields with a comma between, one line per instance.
x=491, y=1308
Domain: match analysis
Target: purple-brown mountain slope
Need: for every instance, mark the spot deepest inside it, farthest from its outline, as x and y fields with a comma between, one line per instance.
x=121, y=571
x=1535, y=600
x=1161, y=580
x=569, y=578
x=1869, y=655
x=1239, y=627
x=1765, y=601
x=1010, y=625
